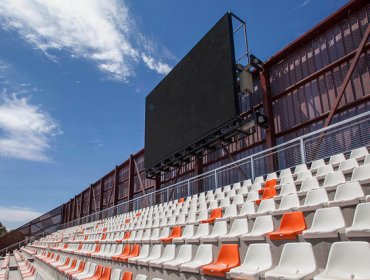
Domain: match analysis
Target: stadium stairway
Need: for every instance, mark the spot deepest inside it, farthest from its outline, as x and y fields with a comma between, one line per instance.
x=311, y=221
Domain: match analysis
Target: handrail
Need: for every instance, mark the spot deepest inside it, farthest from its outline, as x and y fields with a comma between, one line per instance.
x=210, y=172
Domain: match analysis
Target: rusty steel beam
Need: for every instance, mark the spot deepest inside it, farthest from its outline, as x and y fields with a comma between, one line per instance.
x=142, y=187
x=348, y=75
x=268, y=109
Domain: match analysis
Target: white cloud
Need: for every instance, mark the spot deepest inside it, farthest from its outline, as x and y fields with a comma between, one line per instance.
x=305, y=3
x=98, y=30
x=25, y=129
x=14, y=217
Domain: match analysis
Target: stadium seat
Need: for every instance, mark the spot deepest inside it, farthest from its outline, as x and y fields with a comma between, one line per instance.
x=271, y=176
x=125, y=252
x=86, y=273
x=367, y=159
x=155, y=253
x=348, y=165
x=176, y=232
x=316, y=198
x=362, y=174
x=168, y=255
x=303, y=175
x=216, y=213
x=315, y=165
x=144, y=253
x=288, y=202
x=324, y=170
x=184, y=255
x=287, y=189
x=361, y=222
x=333, y=180
x=127, y=275
x=347, y=260
x=327, y=222
x=308, y=184
x=202, y=230
x=286, y=179
x=187, y=232
x=238, y=228
x=262, y=226
x=246, y=209
x=252, y=196
x=228, y=258
x=347, y=194
x=266, y=207
x=203, y=256
x=297, y=261
x=335, y=160
x=359, y=153
x=268, y=193
x=219, y=229
x=141, y=277
x=257, y=261
x=135, y=250
x=230, y=211
x=247, y=183
x=97, y=273
x=285, y=172
x=292, y=224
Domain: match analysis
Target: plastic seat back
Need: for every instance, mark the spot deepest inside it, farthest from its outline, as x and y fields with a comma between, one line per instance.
x=361, y=174
x=106, y=273
x=359, y=153
x=293, y=221
x=309, y=184
x=229, y=254
x=115, y=275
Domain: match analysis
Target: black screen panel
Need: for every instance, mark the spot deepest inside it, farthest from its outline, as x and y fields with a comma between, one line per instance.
x=195, y=98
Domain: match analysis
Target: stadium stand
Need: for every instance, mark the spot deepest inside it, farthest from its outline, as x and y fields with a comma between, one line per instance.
x=318, y=232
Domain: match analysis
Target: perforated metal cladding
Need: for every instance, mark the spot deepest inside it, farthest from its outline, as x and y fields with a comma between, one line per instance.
x=195, y=98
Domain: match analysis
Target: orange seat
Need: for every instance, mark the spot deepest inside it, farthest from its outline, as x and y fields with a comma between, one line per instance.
x=269, y=184
x=73, y=265
x=292, y=224
x=97, y=274
x=125, y=236
x=104, y=236
x=105, y=229
x=106, y=273
x=228, y=258
x=127, y=275
x=138, y=214
x=79, y=270
x=176, y=232
x=127, y=221
x=216, y=213
x=181, y=200
x=125, y=252
x=267, y=194
x=134, y=253
x=97, y=250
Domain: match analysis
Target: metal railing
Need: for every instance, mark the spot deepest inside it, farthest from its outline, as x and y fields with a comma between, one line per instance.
x=338, y=138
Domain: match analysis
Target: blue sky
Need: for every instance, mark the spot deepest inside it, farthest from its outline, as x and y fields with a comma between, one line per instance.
x=74, y=75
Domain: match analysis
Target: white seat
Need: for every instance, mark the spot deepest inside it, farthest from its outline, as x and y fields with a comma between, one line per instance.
x=300, y=168
x=165, y=232
x=259, y=179
x=247, y=183
x=238, y=228
x=144, y=253
x=141, y=277
x=226, y=188
x=309, y=184
x=285, y=172
x=361, y=222
x=219, y=230
x=271, y=176
x=327, y=222
x=333, y=180
x=303, y=175
x=335, y=160
x=367, y=159
x=243, y=191
x=247, y=209
x=316, y=198
x=347, y=194
x=168, y=255
x=203, y=215
x=362, y=174
x=202, y=230
x=256, y=187
x=230, y=211
x=348, y=165
x=238, y=200
x=184, y=255
x=116, y=274
x=236, y=186
x=154, y=254
x=267, y=206
x=186, y=233
x=191, y=219
x=288, y=202
x=359, y=153
x=224, y=202
x=146, y=236
x=297, y=261
x=252, y=196
x=262, y=226
x=286, y=179
x=88, y=274
x=324, y=170
x=347, y=260
x=315, y=165
x=257, y=261
x=203, y=256
x=287, y=189
x=212, y=205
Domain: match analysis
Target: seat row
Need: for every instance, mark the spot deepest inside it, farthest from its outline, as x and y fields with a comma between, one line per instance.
x=27, y=270
x=4, y=268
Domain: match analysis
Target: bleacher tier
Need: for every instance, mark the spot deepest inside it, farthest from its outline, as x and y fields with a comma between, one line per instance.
x=311, y=221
